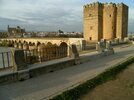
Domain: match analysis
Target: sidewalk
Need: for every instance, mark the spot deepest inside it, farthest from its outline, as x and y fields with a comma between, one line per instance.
x=45, y=86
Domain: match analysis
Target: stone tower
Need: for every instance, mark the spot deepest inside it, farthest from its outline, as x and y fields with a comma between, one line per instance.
x=107, y=21
x=93, y=17
x=122, y=21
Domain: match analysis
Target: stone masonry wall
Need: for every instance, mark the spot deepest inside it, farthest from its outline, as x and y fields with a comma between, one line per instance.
x=92, y=20
x=122, y=21
x=107, y=21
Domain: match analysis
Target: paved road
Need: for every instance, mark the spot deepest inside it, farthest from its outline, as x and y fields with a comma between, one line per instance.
x=41, y=87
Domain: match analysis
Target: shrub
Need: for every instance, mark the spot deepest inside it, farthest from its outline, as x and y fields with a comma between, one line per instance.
x=6, y=44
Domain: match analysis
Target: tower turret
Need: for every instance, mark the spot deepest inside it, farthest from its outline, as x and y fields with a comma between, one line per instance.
x=93, y=21
x=109, y=21
x=122, y=21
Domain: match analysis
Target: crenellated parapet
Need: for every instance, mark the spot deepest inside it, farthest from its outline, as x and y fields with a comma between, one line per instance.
x=121, y=5
x=93, y=5
x=110, y=5
x=98, y=4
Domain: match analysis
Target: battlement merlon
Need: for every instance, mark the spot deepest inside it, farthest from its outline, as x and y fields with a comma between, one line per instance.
x=122, y=5
x=109, y=4
x=93, y=5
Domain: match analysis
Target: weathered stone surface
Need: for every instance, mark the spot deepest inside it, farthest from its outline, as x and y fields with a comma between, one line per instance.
x=15, y=45
x=108, y=21
x=23, y=75
x=25, y=46
x=117, y=40
x=20, y=45
x=126, y=39
x=103, y=43
x=109, y=45
x=75, y=54
x=75, y=51
x=83, y=44
x=18, y=59
x=32, y=47
x=99, y=47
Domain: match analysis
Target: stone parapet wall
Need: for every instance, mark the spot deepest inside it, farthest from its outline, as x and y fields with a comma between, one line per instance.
x=48, y=67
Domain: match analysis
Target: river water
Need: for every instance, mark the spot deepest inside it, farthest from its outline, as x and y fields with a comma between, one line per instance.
x=5, y=57
x=4, y=49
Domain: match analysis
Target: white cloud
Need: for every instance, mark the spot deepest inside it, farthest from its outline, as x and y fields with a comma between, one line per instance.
x=46, y=14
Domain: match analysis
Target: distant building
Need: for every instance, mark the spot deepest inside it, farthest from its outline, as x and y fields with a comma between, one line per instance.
x=3, y=34
x=15, y=32
x=105, y=21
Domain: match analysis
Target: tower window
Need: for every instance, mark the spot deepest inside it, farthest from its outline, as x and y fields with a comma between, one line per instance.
x=90, y=38
x=90, y=15
x=91, y=27
x=110, y=15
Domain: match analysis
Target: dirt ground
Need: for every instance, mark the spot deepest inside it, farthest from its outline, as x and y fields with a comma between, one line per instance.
x=120, y=89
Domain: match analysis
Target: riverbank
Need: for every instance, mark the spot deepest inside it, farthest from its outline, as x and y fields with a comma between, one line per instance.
x=5, y=49
x=122, y=88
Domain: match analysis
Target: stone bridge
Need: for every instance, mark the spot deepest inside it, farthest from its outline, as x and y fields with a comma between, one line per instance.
x=57, y=41
x=79, y=42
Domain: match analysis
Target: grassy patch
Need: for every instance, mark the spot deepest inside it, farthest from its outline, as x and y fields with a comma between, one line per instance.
x=109, y=74
x=131, y=84
x=6, y=44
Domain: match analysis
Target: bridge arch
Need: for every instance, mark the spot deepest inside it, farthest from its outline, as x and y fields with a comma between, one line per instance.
x=64, y=48
x=49, y=44
x=38, y=43
x=63, y=44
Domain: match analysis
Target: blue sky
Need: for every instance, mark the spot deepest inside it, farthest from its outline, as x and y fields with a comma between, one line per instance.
x=49, y=15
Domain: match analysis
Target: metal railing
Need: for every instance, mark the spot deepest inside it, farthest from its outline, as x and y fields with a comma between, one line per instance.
x=5, y=60
x=45, y=54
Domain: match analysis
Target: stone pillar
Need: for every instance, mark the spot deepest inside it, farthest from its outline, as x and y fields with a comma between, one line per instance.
x=25, y=46
x=126, y=39
x=0, y=41
x=99, y=47
x=117, y=40
x=69, y=50
x=75, y=54
x=20, y=45
x=15, y=45
x=41, y=52
x=18, y=59
x=108, y=45
x=103, y=43
x=83, y=44
x=32, y=47
x=12, y=41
